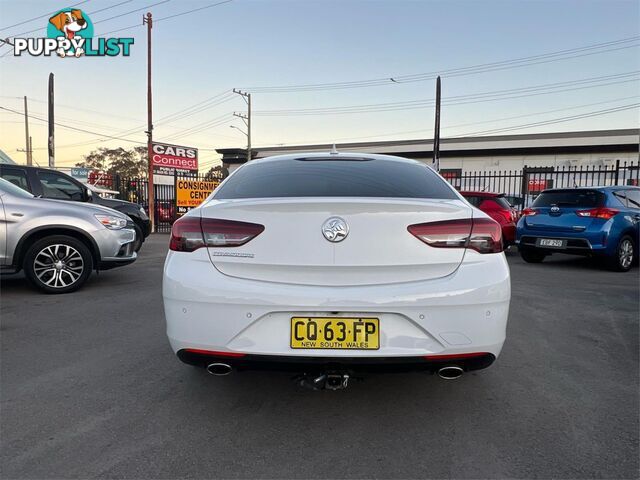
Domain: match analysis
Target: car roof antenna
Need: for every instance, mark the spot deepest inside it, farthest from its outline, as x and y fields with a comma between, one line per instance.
x=334, y=150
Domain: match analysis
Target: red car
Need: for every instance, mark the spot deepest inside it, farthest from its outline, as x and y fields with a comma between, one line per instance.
x=166, y=212
x=498, y=208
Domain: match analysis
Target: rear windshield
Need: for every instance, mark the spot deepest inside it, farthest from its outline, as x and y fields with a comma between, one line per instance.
x=502, y=202
x=570, y=198
x=319, y=177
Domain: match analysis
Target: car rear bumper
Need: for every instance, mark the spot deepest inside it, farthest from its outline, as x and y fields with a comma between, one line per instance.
x=354, y=365
x=576, y=246
x=465, y=312
x=509, y=233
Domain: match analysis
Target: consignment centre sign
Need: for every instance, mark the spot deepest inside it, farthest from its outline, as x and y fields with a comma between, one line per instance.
x=191, y=193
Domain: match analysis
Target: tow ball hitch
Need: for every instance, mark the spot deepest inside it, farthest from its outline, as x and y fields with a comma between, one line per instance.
x=324, y=381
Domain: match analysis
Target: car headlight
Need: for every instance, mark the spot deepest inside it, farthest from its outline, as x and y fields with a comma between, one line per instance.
x=143, y=213
x=111, y=221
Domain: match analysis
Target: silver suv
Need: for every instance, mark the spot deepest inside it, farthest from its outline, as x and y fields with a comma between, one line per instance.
x=59, y=243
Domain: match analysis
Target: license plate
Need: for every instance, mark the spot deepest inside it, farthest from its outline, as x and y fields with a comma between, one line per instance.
x=551, y=242
x=335, y=333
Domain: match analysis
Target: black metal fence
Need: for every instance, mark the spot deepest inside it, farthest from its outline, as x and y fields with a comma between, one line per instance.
x=520, y=186
x=135, y=189
x=523, y=186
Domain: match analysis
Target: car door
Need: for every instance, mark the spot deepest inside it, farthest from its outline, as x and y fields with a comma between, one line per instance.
x=17, y=176
x=59, y=186
x=633, y=204
x=3, y=234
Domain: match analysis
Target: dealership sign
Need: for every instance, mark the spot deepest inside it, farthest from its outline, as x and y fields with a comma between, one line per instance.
x=174, y=160
x=191, y=193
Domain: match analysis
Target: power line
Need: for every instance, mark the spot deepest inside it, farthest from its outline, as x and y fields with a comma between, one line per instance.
x=38, y=17
x=169, y=17
x=523, y=92
x=105, y=19
x=597, y=113
x=74, y=128
x=593, y=49
x=188, y=111
x=222, y=119
x=449, y=127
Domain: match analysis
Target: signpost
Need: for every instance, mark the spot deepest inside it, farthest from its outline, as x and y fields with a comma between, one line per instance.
x=191, y=193
x=172, y=160
x=80, y=173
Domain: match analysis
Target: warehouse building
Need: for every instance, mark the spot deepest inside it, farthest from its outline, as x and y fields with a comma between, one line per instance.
x=485, y=154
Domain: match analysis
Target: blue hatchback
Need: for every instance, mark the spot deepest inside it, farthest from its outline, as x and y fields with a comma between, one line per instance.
x=598, y=221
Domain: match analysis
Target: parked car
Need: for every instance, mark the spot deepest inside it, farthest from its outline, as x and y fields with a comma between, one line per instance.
x=166, y=212
x=497, y=207
x=59, y=243
x=46, y=183
x=339, y=263
x=516, y=201
x=596, y=221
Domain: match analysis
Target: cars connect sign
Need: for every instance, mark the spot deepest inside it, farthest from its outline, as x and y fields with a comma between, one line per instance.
x=174, y=159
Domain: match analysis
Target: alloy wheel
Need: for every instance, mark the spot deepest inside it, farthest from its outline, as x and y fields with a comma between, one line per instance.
x=625, y=253
x=58, y=265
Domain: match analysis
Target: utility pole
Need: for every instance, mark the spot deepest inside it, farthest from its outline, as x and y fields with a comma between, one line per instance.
x=26, y=133
x=436, y=133
x=51, y=138
x=246, y=118
x=148, y=21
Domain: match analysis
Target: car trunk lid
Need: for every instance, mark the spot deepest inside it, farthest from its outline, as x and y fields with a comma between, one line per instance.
x=378, y=248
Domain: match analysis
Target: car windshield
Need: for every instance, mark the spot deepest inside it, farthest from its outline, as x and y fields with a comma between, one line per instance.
x=335, y=177
x=14, y=190
x=570, y=198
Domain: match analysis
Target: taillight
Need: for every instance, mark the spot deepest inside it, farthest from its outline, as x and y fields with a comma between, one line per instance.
x=507, y=215
x=602, y=212
x=527, y=212
x=190, y=233
x=483, y=235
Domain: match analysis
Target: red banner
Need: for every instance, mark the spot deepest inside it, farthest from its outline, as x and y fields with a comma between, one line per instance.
x=539, y=184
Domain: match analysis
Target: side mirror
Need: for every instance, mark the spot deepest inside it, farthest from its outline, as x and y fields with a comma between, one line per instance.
x=89, y=195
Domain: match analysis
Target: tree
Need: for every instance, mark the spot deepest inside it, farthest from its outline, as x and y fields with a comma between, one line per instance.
x=216, y=173
x=126, y=163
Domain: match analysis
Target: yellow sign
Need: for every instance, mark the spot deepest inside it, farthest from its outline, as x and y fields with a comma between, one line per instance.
x=338, y=332
x=191, y=193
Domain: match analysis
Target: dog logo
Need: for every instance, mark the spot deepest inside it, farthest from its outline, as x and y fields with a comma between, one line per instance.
x=70, y=34
x=69, y=23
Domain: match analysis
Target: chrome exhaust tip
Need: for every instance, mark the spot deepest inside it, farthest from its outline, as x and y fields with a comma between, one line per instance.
x=219, y=369
x=450, y=372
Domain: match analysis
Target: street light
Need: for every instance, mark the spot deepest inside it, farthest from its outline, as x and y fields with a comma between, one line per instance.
x=239, y=129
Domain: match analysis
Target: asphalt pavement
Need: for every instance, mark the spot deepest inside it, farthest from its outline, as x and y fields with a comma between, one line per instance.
x=90, y=388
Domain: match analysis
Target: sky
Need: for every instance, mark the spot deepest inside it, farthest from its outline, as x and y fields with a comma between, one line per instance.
x=262, y=46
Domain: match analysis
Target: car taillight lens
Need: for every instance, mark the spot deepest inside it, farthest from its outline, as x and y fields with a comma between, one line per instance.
x=507, y=215
x=605, y=213
x=190, y=233
x=483, y=235
x=527, y=212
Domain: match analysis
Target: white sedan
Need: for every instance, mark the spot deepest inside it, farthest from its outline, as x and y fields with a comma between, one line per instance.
x=334, y=264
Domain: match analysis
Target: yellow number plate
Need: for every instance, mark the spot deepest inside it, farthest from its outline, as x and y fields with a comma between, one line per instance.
x=335, y=333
